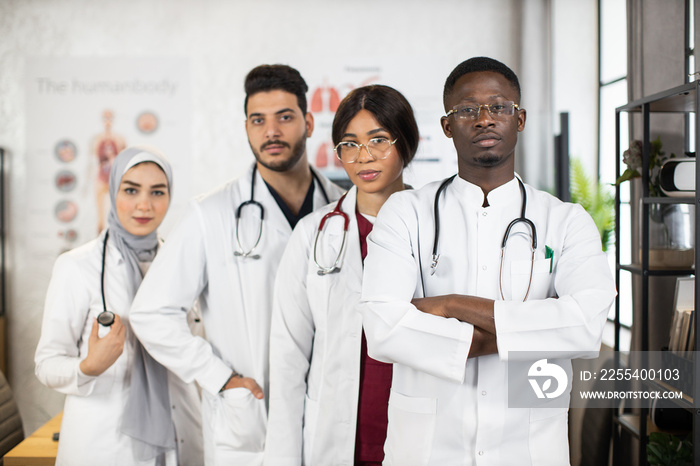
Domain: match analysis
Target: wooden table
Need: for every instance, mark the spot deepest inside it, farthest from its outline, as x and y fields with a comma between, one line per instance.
x=39, y=449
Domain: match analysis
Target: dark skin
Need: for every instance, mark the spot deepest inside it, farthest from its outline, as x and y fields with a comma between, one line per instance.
x=485, y=158
x=471, y=309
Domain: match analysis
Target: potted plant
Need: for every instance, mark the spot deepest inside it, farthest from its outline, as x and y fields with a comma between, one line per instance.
x=632, y=158
x=596, y=198
x=668, y=450
x=671, y=232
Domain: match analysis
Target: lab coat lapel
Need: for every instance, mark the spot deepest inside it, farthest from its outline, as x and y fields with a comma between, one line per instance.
x=115, y=281
x=274, y=217
x=322, y=185
x=354, y=256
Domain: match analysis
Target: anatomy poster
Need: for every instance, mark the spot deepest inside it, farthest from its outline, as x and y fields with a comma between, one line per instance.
x=328, y=84
x=81, y=112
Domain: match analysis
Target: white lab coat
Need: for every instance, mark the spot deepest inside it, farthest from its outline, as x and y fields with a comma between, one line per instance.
x=90, y=430
x=236, y=303
x=315, y=346
x=445, y=409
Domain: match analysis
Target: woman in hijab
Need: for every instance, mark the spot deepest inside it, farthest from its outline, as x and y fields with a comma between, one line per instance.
x=117, y=409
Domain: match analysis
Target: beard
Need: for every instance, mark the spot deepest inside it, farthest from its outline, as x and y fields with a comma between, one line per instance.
x=488, y=160
x=281, y=164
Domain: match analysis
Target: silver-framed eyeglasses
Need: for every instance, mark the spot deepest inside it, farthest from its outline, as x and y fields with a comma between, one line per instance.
x=377, y=148
x=472, y=112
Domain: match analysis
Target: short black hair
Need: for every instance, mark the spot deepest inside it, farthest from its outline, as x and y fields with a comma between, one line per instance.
x=265, y=78
x=476, y=64
x=391, y=110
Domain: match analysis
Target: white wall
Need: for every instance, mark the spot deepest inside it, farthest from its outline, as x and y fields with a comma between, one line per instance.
x=575, y=77
x=223, y=40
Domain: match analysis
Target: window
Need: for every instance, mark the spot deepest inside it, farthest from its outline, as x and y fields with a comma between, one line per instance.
x=612, y=56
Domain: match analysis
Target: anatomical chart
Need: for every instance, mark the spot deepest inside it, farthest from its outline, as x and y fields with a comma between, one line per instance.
x=330, y=83
x=81, y=112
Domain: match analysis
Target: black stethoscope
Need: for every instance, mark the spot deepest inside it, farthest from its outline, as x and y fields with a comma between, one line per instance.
x=105, y=317
x=252, y=202
x=506, y=235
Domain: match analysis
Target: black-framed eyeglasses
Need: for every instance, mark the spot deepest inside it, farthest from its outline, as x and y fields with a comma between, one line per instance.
x=377, y=148
x=472, y=112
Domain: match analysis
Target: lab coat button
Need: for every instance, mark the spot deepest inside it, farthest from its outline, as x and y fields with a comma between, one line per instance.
x=484, y=214
x=483, y=393
x=481, y=452
x=483, y=267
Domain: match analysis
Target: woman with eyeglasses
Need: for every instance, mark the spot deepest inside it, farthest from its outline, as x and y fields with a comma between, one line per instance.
x=328, y=398
x=118, y=404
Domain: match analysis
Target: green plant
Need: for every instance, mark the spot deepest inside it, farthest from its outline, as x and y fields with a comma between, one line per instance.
x=595, y=198
x=632, y=157
x=669, y=450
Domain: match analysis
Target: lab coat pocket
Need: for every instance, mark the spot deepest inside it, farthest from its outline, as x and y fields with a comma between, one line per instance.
x=241, y=421
x=113, y=378
x=411, y=429
x=548, y=441
x=310, y=424
x=520, y=279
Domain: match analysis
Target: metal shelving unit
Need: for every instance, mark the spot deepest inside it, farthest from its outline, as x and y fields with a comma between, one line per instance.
x=683, y=99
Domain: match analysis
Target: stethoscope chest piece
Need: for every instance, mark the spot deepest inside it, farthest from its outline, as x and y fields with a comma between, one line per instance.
x=105, y=318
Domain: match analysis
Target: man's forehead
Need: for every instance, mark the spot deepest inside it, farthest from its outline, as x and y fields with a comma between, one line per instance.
x=483, y=82
x=271, y=102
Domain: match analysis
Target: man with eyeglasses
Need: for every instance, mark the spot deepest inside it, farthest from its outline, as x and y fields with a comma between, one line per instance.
x=469, y=273
x=225, y=253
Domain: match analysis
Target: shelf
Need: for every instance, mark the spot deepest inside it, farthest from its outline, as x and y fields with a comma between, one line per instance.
x=637, y=270
x=668, y=200
x=676, y=100
x=630, y=423
x=683, y=99
x=685, y=403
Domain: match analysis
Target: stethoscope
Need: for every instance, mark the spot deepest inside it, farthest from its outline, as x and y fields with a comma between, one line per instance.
x=335, y=212
x=506, y=235
x=105, y=317
x=252, y=202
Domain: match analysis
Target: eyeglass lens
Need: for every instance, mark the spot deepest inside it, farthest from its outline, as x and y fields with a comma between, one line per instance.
x=497, y=110
x=349, y=152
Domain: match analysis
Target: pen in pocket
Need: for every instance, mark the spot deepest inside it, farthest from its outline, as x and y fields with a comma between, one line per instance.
x=549, y=254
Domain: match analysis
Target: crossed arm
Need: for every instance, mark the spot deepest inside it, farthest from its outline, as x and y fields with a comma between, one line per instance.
x=470, y=309
x=571, y=321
